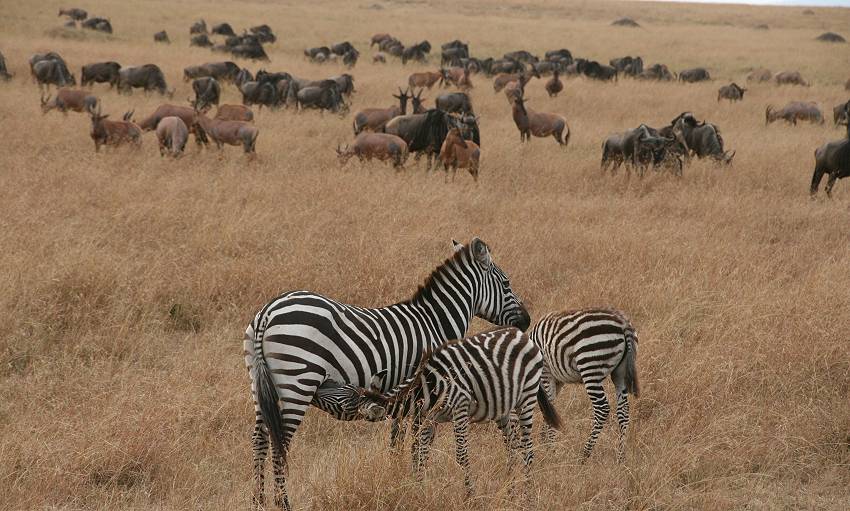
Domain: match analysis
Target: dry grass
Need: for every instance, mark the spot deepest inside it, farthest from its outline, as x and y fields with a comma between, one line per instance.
x=129, y=279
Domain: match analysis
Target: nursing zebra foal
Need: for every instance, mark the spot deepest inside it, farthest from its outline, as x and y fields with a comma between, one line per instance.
x=483, y=377
x=300, y=340
x=584, y=346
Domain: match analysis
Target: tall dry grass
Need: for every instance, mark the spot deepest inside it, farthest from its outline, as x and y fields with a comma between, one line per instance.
x=129, y=279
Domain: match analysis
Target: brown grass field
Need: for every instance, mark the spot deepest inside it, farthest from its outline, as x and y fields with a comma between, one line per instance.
x=129, y=279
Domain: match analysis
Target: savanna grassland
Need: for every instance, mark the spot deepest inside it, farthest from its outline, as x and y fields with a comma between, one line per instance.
x=129, y=279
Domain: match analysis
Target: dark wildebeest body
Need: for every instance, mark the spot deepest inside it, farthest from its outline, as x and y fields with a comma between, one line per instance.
x=628, y=66
x=201, y=40
x=832, y=158
x=207, y=92
x=454, y=102
x=74, y=13
x=697, y=74
x=424, y=133
x=659, y=72
x=264, y=33
x=595, y=70
x=417, y=52
x=100, y=72
x=198, y=27
x=53, y=72
x=790, y=78
x=381, y=146
x=342, y=48
x=114, y=133
x=185, y=113
x=223, y=29
x=636, y=148
x=243, y=76
x=793, y=112
x=249, y=47
x=172, y=134
x=69, y=99
x=228, y=132
x=521, y=56
x=703, y=139
x=345, y=84
x=732, y=92
x=505, y=66
x=148, y=77
x=98, y=24
x=257, y=93
x=226, y=71
x=161, y=37
x=322, y=95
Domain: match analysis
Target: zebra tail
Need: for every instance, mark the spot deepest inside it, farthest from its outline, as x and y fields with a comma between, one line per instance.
x=632, y=386
x=550, y=415
x=267, y=396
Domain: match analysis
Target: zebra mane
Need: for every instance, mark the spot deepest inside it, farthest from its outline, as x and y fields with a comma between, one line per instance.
x=425, y=289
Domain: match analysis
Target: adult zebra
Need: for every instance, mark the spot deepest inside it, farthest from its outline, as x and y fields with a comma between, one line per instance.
x=301, y=339
x=487, y=376
x=585, y=346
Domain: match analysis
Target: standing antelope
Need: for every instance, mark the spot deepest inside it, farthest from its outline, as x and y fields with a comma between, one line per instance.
x=69, y=99
x=554, y=86
x=539, y=124
x=426, y=79
x=584, y=346
x=374, y=119
x=457, y=152
x=113, y=133
x=227, y=132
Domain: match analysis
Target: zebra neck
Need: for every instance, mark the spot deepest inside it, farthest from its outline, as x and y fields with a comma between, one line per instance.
x=448, y=297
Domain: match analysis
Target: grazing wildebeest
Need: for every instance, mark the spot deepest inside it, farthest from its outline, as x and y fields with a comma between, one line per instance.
x=793, y=112
x=760, y=75
x=234, y=113
x=839, y=114
x=636, y=148
x=505, y=66
x=345, y=83
x=732, y=92
x=260, y=93
x=207, y=92
x=417, y=52
x=114, y=133
x=342, y=48
x=161, y=37
x=697, y=74
x=658, y=72
x=539, y=124
x=454, y=102
x=832, y=158
x=456, y=152
x=426, y=78
x=790, y=78
x=172, y=134
x=521, y=56
x=563, y=55
x=453, y=53
x=324, y=95
x=374, y=119
x=252, y=50
x=69, y=99
x=223, y=29
x=628, y=66
x=379, y=38
x=4, y=72
x=148, y=77
x=51, y=71
x=226, y=71
x=243, y=76
x=99, y=24
x=424, y=132
x=381, y=146
x=554, y=86
x=264, y=33
x=228, y=132
x=595, y=70
x=318, y=53
x=201, y=40
x=74, y=13
x=100, y=72
x=198, y=27
x=703, y=139
x=187, y=114
x=350, y=58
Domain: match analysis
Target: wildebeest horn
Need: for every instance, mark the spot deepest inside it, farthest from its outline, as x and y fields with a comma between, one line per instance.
x=727, y=158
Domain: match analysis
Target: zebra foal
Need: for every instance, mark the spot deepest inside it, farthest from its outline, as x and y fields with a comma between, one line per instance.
x=483, y=377
x=585, y=346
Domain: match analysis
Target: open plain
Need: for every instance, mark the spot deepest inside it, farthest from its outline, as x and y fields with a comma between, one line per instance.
x=129, y=278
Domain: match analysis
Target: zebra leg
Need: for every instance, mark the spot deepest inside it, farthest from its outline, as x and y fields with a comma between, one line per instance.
x=601, y=409
x=547, y=434
x=460, y=419
x=526, y=418
x=260, y=446
x=294, y=399
x=506, y=424
x=619, y=379
x=397, y=432
x=422, y=448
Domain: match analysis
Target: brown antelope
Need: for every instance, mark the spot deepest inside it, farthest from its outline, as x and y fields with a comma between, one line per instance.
x=69, y=99
x=234, y=113
x=453, y=75
x=113, y=133
x=227, y=132
x=172, y=134
x=465, y=83
x=539, y=124
x=374, y=119
x=426, y=79
x=185, y=113
x=793, y=112
x=457, y=152
x=381, y=146
x=516, y=88
x=554, y=86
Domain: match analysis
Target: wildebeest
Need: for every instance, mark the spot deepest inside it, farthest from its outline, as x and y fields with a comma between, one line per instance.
x=793, y=112
x=99, y=24
x=832, y=158
x=701, y=138
x=697, y=74
x=264, y=33
x=381, y=146
x=760, y=75
x=521, y=56
x=417, y=52
x=636, y=148
x=342, y=48
x=508, y=66
x=318, y=53
x=539, y=124
x=234, y=113
x=187, y=114
x=629, y=66
x=223, y=29
x=595, y=70
x=207, y=92
x=374, y=119
x=201, y=40
x=379, y=38
x=114, y=133
x=456, y=152
x=426, y=78
x=839, y=114
x=345, y=83
x=260, y=93
x=454, y=102
x=172, y=134
x=324, y=95
x=161, y=37
x=658, y=72
x=243, y=76
x=227, y=132
x=554, y=86
x=69, y=99
x=790, y=78
x=4, y=72
x=424, y=132
x=226, y=71
x=198, y=27
x=148, y=77
x=732, y=92
x=51, y=71
x=453, y=52
x=349, y=59
x=100, y=72
x=247, y=46
x=74, y=13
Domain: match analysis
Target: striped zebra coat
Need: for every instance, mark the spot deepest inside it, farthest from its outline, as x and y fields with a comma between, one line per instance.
x=484, y=377
x=300, y=340
x=585, y=346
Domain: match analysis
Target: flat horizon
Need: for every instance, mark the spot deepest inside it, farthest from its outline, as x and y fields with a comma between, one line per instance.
x=780, y=3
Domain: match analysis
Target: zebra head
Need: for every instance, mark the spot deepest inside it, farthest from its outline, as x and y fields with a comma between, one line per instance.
x=495, y=302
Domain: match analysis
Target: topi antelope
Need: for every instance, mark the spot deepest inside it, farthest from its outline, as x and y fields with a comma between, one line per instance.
x=113, y=133
x=172, y=135
x=227, y=132
x=539, y=124
x=381, y=146
x=69, y=99
x=457, y=152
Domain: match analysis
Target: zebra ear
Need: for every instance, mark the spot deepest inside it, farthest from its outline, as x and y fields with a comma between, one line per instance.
x=377, y=382
x=457, y=246
x=481, y=253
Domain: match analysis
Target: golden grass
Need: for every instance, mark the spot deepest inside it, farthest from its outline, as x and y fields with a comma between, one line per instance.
x=129, y=279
